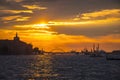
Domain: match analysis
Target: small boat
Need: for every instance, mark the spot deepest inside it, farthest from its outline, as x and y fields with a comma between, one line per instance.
x=115, y=55
x=96, y=55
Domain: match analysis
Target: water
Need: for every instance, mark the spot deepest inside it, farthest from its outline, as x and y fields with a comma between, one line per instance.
x=58, y=67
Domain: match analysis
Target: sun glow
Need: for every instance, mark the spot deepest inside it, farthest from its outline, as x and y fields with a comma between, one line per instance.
x=33, y=26
x=42, y=26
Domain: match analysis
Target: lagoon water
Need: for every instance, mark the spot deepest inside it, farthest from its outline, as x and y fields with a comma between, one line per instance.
x=58, y=67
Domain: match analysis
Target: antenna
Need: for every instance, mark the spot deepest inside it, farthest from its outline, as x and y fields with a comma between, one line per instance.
x=93, y=47
x=98, y=47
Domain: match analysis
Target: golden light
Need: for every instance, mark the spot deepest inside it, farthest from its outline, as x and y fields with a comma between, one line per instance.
x=42, y=26
x=33, y=26
x=34, y=7
x=69, y=23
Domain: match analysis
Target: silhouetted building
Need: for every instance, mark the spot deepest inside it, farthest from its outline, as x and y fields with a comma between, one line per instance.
x=15, y=46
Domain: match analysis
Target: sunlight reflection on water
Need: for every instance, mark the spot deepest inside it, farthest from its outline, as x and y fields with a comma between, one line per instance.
x=57, y=67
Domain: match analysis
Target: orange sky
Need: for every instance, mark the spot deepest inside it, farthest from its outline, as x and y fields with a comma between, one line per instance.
x=69, y=28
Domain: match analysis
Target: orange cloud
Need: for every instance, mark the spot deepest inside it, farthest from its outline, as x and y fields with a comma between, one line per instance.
x=58, y=23
x=10, y=17
x=15, y=0
x=98, y=15
x=88, y=22
x=16, y=11
x=112, y=38
x=22, y=19
x=32, y=26
x=15, y=18
x=103, y=13
x=34, y=7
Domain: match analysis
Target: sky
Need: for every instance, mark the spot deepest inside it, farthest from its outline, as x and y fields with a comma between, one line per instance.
x=62, y=24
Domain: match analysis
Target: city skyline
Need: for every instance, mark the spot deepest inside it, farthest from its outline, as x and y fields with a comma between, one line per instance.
x=73, y=24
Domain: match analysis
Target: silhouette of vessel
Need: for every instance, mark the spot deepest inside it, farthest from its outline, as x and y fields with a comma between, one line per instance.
x=95, y=52
x=115, y=55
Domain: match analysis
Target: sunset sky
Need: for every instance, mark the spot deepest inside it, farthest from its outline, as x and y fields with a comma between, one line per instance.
x=65, y=24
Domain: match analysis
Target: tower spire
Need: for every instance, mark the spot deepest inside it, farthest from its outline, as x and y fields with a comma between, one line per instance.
x=16, y=38
x=16, y=34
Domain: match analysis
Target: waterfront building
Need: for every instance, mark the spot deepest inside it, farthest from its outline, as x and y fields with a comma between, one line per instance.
x=15, y=46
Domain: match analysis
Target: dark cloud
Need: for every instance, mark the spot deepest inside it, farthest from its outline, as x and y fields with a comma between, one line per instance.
x=10, y=5
x=15, y=14
x=87, y=30
x=64, y=9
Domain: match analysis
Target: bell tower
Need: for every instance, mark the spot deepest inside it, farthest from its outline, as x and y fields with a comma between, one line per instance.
x=16, y=38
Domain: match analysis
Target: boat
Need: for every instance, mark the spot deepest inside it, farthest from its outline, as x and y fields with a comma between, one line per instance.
x=96, y=52
x=115, y=55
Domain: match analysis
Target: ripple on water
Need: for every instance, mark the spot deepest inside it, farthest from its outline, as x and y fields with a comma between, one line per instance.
x=57, y=67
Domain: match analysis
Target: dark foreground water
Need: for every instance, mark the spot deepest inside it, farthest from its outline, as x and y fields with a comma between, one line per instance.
x=58, y=67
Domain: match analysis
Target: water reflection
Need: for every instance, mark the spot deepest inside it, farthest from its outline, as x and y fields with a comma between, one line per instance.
x=37, y=67
x=41, y=68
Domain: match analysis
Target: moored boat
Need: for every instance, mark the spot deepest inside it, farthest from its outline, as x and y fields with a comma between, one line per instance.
x=115, y=55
